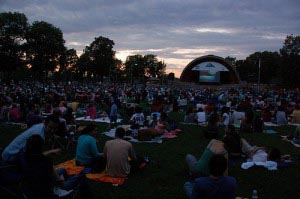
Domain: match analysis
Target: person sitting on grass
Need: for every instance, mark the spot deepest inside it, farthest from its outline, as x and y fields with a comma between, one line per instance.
x=200, y=167
x=87, y=153
x=213, y=126
x=232, y=142
x=91, y=112
x=138, y=118
x=119, y=153
x=216, y=185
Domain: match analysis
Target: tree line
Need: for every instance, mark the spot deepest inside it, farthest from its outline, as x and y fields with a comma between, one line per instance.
x=38, y=51
x=278, y=68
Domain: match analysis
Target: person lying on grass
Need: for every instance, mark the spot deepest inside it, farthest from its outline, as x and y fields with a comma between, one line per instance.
x=200, y=167
x=216, y=185
x=238, y=147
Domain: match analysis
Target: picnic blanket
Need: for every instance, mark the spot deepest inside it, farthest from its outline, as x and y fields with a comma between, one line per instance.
x=284, y=138
x=72, y=169
x=272, y=124
x=270, y=131
x=103, y=120
x=111, y=134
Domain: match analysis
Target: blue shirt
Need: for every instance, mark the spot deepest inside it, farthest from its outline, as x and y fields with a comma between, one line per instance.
x=11, y=152
x=86, y=149
x=220, y=188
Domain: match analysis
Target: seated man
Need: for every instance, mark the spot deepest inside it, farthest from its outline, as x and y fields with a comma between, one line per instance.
x=56, y=124
x=138, y=118
x=118, y=152
x=11, y=152
x=216, y=185
x=200, y=167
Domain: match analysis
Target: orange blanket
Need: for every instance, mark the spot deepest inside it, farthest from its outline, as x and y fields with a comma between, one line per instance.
x=72, y=169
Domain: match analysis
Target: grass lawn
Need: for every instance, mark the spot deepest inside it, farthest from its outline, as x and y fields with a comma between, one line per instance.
x=164, y=178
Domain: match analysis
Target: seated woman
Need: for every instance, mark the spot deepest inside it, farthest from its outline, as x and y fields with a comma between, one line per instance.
x=190, y=116
x=212, y=126
x=138, y=118
x=199, y=167
x=296, y=115
x=232, y=142
x=280, y=117
x=56, y=124
x=14, y=114
x=91, y=112
x=39, y=176
x=153, y=122
x=225, y=116
x=87, y=153
x=201, y=116
x=267, y=115
x=161, y=125
x=69, y=117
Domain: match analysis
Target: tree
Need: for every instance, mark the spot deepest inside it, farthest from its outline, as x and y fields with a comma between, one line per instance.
x=231, y=60
x=71, y=59
x=13, y=27
x=135, y=68
x=45, y=47
x=249, y=68
x=101, y=55
x=171, y=76
x=83, y=63
x=153, y=67
x=290, y=61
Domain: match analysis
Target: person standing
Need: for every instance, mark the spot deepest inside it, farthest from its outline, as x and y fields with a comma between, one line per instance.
x=113, y=113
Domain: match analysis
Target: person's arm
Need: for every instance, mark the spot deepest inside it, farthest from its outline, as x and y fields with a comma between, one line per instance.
x=56, y=151
x=105, y=151
x=132, y=153
x=94, y=149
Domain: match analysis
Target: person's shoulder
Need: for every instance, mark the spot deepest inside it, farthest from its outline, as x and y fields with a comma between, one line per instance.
x=231, y=180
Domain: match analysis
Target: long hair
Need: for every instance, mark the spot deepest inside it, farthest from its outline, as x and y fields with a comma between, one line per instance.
x=88, y=129
x=34, y=145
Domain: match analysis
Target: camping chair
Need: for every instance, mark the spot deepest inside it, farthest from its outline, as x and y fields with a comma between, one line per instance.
x=11, y=188
x=72, y=185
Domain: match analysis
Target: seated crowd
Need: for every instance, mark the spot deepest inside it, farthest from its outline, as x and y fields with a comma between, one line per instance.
x=231, y=110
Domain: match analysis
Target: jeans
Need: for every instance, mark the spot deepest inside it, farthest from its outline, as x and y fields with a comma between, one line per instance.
x=188, y=188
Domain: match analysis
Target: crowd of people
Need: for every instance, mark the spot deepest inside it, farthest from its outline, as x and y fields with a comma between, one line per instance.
x=52, y=109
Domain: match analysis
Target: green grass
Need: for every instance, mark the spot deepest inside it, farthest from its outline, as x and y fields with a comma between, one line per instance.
x=165, y=177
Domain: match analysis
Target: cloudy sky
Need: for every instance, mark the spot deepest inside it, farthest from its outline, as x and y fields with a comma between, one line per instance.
x=177, y=31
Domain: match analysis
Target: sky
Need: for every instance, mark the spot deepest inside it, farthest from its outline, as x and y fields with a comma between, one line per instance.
x=177, y=31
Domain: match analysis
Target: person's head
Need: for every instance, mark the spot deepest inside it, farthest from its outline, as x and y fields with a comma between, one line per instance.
x=34, y=145
x=57, y=112
x=138, y=109
x=230, y=130
x=274, y=154
x=120, y=133
x=200, y=109
x=154, y=116
x=217, y=165
x=89, y=129
x=69, y=111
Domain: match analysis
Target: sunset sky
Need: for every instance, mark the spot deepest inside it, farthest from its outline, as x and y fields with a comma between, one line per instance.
x=174, y=30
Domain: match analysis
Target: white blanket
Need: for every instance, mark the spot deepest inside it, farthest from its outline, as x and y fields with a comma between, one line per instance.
x=111, y=134
x=104, y=120
x=272, y=124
